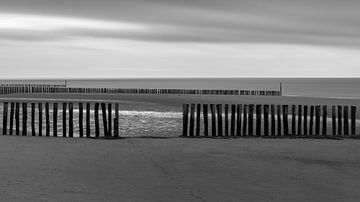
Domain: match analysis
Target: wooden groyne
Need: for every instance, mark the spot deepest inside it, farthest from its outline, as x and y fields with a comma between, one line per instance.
x=24, y=89
x=269, y=120
x=15, y=119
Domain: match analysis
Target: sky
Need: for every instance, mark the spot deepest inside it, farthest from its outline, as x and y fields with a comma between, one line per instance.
x=179, y=38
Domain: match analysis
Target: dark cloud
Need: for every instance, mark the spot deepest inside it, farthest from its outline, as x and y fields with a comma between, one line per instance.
x=327, y=22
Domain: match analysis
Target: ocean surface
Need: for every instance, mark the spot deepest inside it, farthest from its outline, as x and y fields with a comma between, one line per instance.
x=154, y=119
x=310, y=87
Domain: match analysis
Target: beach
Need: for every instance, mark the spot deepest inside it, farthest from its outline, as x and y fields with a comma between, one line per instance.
x=178, y=169
x=170, y=168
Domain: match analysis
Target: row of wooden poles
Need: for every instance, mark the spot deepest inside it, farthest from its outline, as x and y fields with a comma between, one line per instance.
x=270, y=120
x=67, y=117
x=55, y=89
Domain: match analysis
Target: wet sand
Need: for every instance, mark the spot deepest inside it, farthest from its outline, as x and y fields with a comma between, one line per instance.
x=178, y=169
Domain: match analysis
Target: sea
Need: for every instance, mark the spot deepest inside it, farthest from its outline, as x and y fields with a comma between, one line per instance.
x=154, y=119
x=308, y=87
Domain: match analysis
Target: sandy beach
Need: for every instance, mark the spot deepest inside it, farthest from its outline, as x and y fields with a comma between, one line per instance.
x=178, y=169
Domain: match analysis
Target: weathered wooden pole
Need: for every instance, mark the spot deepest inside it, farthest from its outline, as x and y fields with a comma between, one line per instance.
x=238, y=119
x=353, y=120
x=311, y=127
x=206, y=121
x=55, y=114
x=285, y=119
x=33, y=132
x=192, y=120
x=24, y=119
x=258, y=119
x=305, y=119
x=40, y=110
x=103, y=112
x=293, y=119
x=273, y=121
x=116, y=121
x=279, y=120
x=12, y=112
x=219, y=118
x=324, y=119
x=346, y=120
x=213, y=120
x=198, y=112
x=81, y=127
x=339, y=120
x=64, y=118
x=109, y=120
x=17, y=118
x=5, y=112
x=317, y=119
x=266, y=120
x=71, y=120
x=185, y=119
x=251, y=120
x=245, y=120
x=226, y=120
x=299, y=120
x=333, y=112
x=88, y=124
x=232, y=124
x=97, y=127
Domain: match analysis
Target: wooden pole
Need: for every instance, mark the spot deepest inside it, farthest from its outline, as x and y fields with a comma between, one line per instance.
x=219, y=118
x=12, y=112
x=17, y=118
x=71, y=120
x=317, y=119
x=103, y=112
x=333, y=112
x=47, y=117
x=346, y=120
x=279, y=120
x=238, y=119
x=293, y=119
x=109, y=120
x=232, y=124
x=339, y=120
x=33, y=132
x=258, y=120
x=81, y=127
x=311, y=127
x=245, y=120
x=5, y=112
x=97, y=127
x=226, y=120
x=185, y=119
x=299, y=120
x=198, y=112
x=285, y=120
x=55, y=114
x=266, y=120
x=353, y=120
x=324, y=119
x=192, y=120
x=24, y=118
x=206, y=122
x=64, y=118
x=116, y=121
x=40, y=118
x=213, y=120
x=251, y=120
x=305, y=119
x=88, y=125
x=273, y=122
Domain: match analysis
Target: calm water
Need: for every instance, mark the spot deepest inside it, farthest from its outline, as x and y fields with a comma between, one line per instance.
x=153, y=119
x=313, y=87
